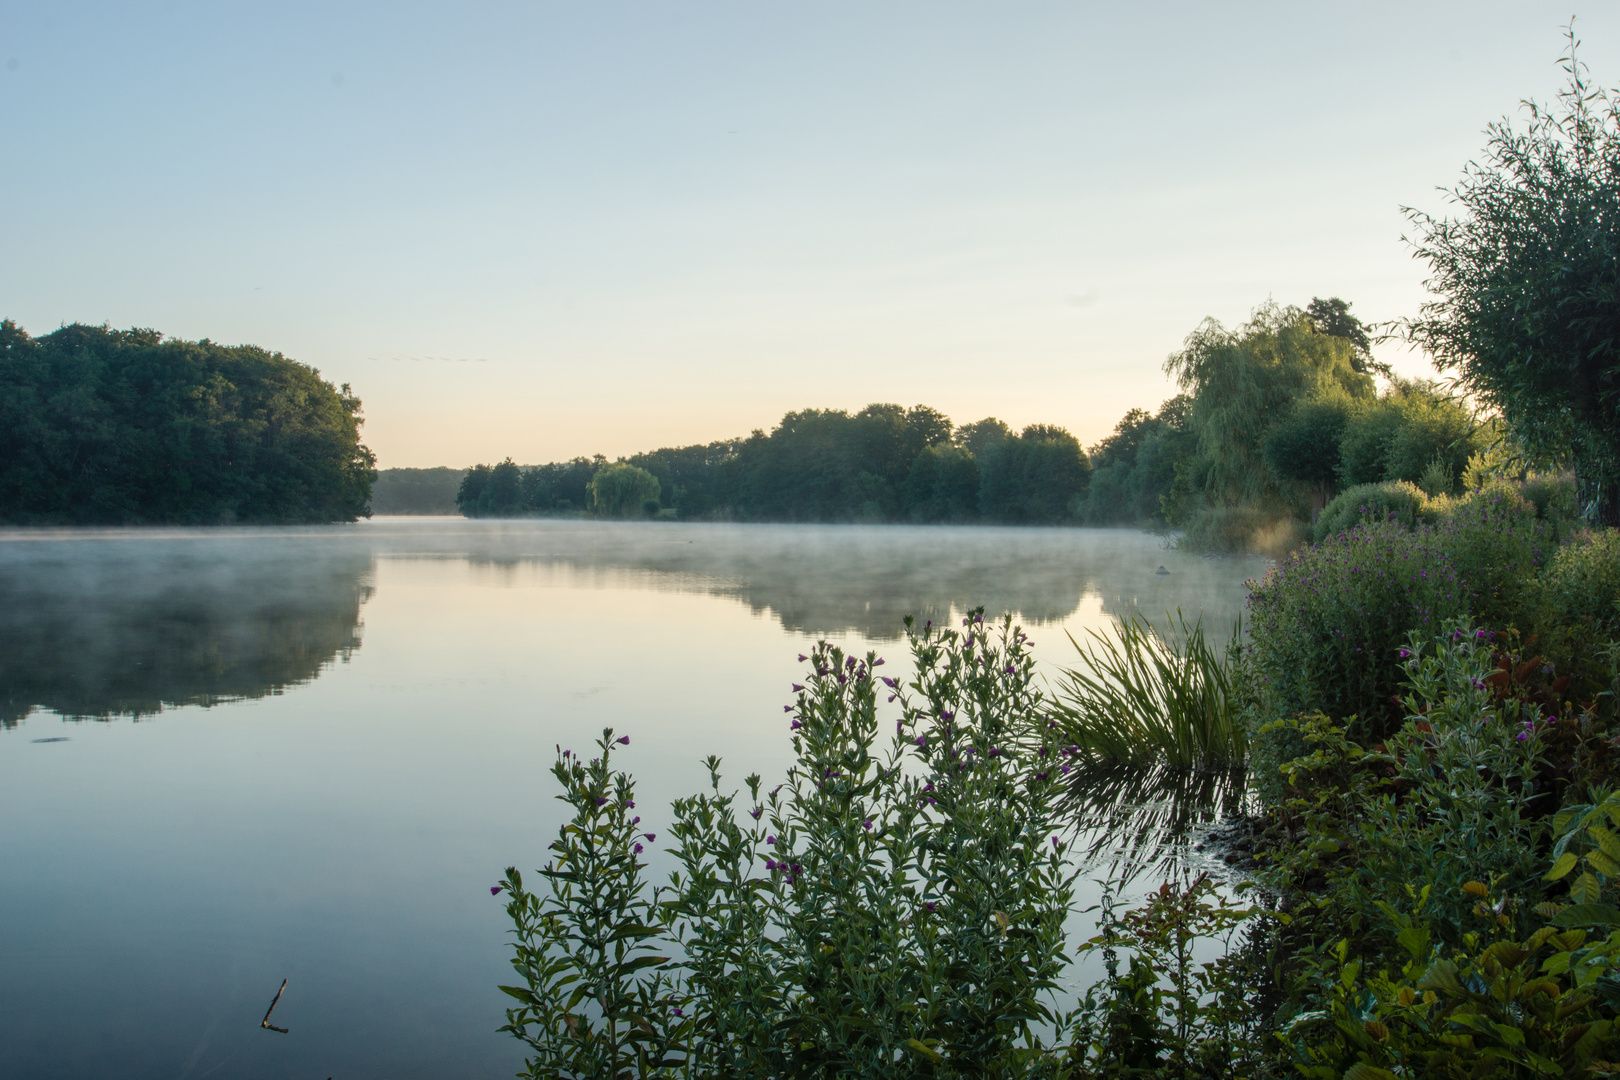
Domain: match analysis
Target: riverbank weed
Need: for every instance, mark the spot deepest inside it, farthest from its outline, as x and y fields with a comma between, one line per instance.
x=894, y=908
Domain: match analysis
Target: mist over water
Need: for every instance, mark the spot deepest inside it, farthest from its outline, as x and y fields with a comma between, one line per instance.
x=344, y=738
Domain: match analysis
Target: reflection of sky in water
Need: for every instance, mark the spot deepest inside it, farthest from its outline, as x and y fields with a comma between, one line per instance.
x=385, y=700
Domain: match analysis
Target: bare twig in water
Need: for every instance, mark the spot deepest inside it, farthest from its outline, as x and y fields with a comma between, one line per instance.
x=265, y=1023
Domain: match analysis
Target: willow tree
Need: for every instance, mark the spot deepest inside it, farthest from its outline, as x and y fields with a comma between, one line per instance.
x=1526, y=283
x=622, y=490
x=1244, y=380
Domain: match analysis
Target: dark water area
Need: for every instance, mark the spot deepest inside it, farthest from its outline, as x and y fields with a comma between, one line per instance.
x=231, y=757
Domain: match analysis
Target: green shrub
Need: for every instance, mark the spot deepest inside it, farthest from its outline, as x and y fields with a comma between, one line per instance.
x=1327, y=622
x=1396, y=500
x=1583, y=580
x=1168, y=1015
x=1494, y=540
x=1554, y=497
x=895, y=908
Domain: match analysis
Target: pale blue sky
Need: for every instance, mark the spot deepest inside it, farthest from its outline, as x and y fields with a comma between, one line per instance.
x=543, y=230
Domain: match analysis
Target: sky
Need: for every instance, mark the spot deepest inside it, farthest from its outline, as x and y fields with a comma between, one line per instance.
x=538, y=230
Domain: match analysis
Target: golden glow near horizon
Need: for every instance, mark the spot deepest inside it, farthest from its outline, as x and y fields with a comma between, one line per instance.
x=551, y=230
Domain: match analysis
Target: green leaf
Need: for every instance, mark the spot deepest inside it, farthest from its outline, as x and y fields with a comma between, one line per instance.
x=930, y=1054
x=1508, y=1034
x=1363, y=1071
x=1606, y=840
x=1585, y=889
x=1442, y=975
x=1605, y=865
x=1566, y=862
x=1415, y=940
x=1588, y=915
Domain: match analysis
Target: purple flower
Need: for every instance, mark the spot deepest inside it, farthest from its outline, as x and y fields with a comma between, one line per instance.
x=650, y=836
x=878, y=662
x=787, y=708
x=623, y=740
x=600, y=801
x=1522, y=736
x=994, y=752
x=632, y=805
x=677, y=1011
x=797, y=687
x=771, y=864
x=756, y=811
x=867, y=824
x=636, y=820
x=803, y=658
x=922, y=741
x=1405, y=653
x=891, y=683
x=637, y=849
x=929, y=907
x=795, y=726
x=494, y=889
x=770, y=839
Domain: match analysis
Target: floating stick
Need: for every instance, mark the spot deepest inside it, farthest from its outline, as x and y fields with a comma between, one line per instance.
x=265, y=1023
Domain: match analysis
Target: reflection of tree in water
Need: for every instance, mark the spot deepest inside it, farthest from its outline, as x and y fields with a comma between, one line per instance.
x=123, y=626
x=838, y=578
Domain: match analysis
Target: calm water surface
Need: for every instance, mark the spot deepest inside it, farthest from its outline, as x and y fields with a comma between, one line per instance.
x=230, y=757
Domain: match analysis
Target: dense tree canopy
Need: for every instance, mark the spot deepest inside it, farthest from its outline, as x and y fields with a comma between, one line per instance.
x=124, y=427
x=883, y=463
x=1526, y=279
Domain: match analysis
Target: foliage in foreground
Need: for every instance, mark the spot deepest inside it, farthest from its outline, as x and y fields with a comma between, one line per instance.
x=895, y=908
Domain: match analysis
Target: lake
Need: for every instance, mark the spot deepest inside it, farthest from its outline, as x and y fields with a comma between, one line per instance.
x=230, y=757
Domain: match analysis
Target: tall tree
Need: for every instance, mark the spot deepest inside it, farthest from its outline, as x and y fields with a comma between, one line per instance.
x=1244, y=380
x=1526, y=283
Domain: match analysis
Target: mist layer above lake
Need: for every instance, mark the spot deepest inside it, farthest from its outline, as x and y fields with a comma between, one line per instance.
x=345, y=734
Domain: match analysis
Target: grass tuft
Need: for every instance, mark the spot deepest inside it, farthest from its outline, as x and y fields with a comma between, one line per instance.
x=1139, y=698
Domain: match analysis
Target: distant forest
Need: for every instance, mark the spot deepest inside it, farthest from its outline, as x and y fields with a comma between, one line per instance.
x=1275, y=417
x=102, y=426
x=884, y=463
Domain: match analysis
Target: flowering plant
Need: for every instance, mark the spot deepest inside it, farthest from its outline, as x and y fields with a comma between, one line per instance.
x=894, y=908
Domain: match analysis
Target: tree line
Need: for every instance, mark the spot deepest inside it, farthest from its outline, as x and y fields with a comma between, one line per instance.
x=1274, y=418
x=103, y=426
x=883, y=463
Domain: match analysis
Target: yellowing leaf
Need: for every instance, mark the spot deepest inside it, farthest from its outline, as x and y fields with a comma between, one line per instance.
x=1566, y=863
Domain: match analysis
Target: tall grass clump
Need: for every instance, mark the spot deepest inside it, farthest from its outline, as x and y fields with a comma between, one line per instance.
x=1140, y=698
